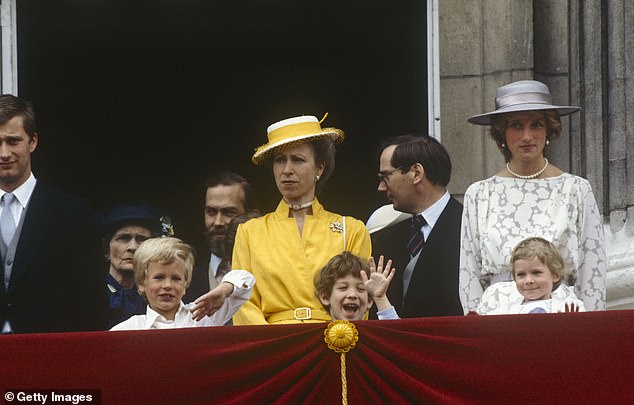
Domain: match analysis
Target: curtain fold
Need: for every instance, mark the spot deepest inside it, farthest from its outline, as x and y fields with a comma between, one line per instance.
x=545, y=358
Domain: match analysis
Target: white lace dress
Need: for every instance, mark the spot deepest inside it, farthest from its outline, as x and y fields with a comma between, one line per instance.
x=499, y=212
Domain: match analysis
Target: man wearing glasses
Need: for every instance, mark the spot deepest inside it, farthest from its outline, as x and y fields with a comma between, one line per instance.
x=414, y=173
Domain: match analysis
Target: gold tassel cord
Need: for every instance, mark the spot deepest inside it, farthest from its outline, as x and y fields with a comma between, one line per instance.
x=342, y=336
x=344, y=381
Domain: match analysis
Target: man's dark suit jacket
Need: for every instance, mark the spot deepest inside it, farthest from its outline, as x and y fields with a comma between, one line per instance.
x=433, y=288
x=200, y=277
x=58, y=279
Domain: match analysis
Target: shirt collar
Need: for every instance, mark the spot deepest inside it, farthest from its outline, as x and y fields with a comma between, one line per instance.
x=110, y=280
x=432, y=213
x=24, y=191
x=152, y=317
x=214, y=262
x=113, y=281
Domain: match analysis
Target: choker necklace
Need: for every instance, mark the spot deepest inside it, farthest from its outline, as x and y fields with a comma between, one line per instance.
x=530, y=176
x=297, y=207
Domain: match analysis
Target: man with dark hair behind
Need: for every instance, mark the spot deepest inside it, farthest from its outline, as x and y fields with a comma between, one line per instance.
x=414, y=173
x=227, y=196
x=52, y=272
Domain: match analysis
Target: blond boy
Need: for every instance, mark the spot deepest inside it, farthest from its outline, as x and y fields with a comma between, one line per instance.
x=163, y=271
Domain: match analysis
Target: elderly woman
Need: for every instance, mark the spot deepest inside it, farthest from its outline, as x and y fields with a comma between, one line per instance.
x=286, y=248
x=123, y=229
x=529, y=197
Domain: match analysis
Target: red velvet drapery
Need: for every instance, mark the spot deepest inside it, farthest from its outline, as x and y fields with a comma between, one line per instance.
x=551, y=358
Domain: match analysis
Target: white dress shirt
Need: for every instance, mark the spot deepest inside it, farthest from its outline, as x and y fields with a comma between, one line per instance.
x=22, y=196
x=242, y=281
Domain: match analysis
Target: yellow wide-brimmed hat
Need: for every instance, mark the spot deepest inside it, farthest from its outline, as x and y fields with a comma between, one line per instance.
x=293, y=131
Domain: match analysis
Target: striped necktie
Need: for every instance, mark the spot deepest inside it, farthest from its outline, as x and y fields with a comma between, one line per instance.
x=223, y=268
x=417, y=240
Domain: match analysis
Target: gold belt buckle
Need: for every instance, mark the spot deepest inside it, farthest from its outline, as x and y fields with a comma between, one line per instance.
x=302, y=314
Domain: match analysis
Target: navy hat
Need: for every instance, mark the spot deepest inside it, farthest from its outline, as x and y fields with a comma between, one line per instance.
x=116, y=217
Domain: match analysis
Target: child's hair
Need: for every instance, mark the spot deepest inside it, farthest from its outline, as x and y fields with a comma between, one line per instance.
x=166, y=251
x=338, y=267
x=545, y=252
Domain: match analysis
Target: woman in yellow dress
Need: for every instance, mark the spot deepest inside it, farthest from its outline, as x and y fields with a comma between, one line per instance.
x=286, y=248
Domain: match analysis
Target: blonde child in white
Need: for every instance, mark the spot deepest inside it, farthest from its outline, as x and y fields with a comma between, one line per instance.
x=537, y=269
x=163, y=271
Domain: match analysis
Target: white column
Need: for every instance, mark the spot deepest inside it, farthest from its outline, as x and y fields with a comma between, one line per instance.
x=9, y=55
x=433, y=70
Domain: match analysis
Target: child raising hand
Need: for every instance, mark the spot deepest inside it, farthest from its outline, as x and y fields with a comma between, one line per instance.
x=347, y=286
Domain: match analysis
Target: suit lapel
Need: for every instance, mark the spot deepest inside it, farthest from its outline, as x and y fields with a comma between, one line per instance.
x=392, y=243
x=445, y=220
x=434, y=248
x=32, y=236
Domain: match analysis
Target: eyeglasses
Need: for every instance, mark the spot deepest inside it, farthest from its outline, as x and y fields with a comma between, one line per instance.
x=385, y=177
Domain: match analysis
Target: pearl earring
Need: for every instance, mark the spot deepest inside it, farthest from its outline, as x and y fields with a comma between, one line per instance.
x=317, y=178
x=503, y=145
x=547, y=142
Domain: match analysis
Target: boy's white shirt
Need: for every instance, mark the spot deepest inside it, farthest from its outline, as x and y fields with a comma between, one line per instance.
x=504, y=298
x=242, y=281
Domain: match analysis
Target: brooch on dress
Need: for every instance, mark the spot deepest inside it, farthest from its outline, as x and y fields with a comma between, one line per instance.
x=336, y=227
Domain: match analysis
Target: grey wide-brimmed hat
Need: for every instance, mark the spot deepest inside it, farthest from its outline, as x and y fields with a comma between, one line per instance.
x=524, y=95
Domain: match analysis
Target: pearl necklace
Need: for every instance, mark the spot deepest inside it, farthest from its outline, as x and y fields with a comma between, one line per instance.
x=530, y=176
x=297, y=207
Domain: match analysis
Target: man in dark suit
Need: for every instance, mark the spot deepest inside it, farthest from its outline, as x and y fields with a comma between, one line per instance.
x=414, y=173
x=228, y=195
x=52, y=270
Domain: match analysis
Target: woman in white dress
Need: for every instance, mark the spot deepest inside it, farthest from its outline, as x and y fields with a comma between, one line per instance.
x=529, y=197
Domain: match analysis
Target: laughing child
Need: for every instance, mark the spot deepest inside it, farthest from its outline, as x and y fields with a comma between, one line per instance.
x=348, y=285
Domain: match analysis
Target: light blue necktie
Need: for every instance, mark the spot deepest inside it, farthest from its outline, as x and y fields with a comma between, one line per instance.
x=7, y=224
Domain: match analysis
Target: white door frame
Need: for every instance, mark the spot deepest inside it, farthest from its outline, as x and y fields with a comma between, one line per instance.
x=9, y=54
x=433, y=70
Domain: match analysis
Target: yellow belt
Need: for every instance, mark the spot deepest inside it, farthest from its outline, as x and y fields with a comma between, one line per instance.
x=299, y=314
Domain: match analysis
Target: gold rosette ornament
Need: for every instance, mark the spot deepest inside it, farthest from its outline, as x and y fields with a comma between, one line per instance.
x=342, y=336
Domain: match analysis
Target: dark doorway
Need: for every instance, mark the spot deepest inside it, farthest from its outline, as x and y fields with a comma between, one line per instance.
x=144, y=99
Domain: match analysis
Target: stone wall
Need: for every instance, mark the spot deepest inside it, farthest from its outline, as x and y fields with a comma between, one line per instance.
x=483, y=44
